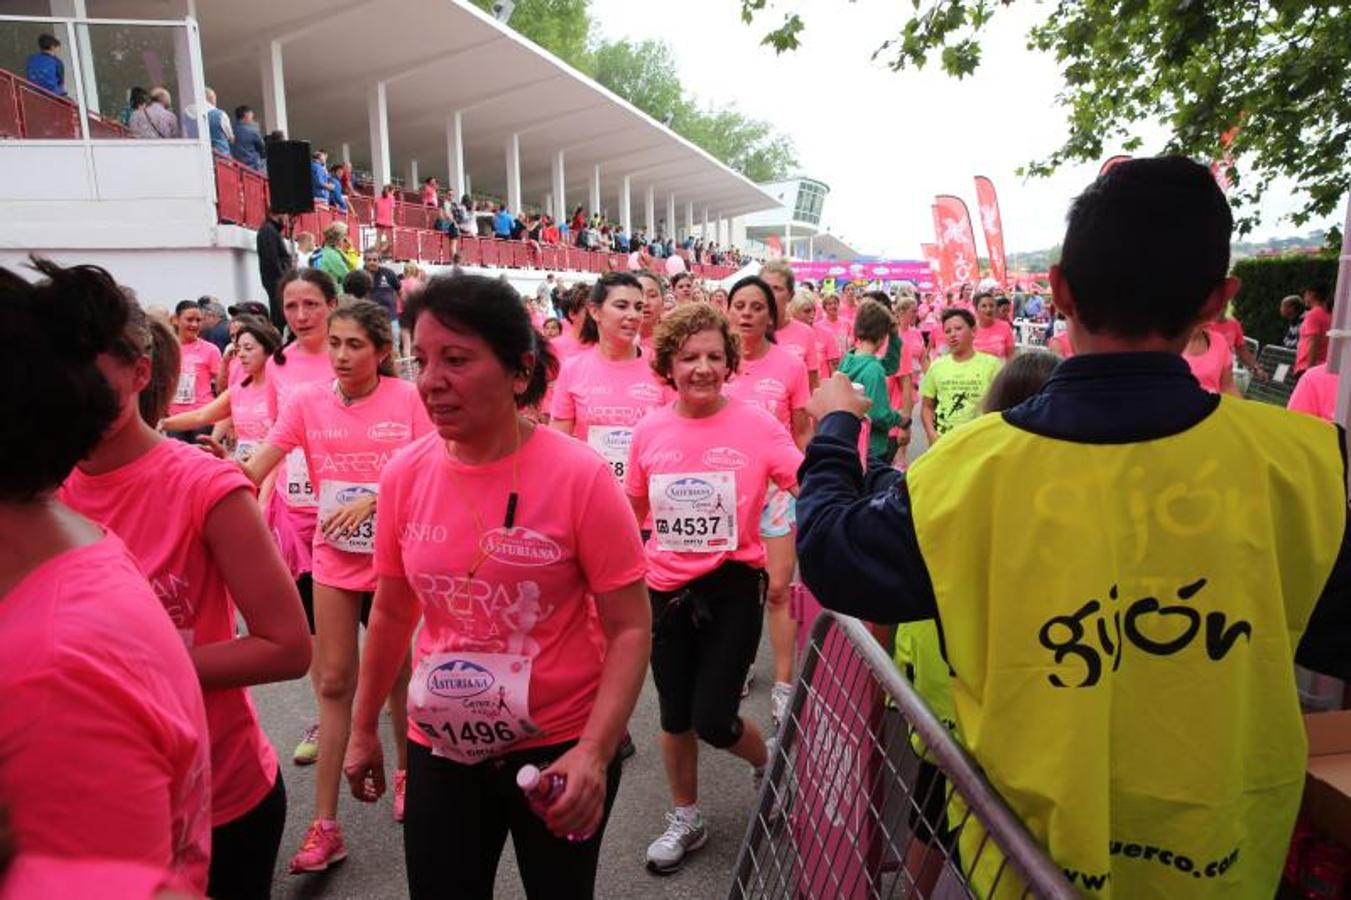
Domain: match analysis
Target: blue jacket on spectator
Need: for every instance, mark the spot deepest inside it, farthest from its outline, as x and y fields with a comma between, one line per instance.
x=215, y=123
x=248, y=147
x=503, y=222
x=48, y=72
x=325, y=187
x=621, y=241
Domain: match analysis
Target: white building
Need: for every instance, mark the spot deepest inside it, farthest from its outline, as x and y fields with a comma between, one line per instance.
x=795, y=223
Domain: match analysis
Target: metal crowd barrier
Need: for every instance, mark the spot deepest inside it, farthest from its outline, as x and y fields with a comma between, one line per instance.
x=847, y=812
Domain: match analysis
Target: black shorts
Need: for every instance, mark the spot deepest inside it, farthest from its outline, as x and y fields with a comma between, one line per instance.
x=704, y=638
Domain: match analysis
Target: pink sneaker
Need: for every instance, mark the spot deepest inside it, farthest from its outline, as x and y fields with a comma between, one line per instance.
x=323, y=846
x=400, y=789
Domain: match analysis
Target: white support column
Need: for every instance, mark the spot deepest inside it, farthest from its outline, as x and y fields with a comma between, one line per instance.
x=689, y=218
x=514, y=173
x=83, y=54
x=651, y=212
x=455, y=154
x=670, y=216
x=413, y=179
x=468, y=183
x=377, y=111
x=703, y=232
x=595, y=189
x=559, y=207
x=626, y=206
x=549, y=203
x=347, y=153
x=274, y=88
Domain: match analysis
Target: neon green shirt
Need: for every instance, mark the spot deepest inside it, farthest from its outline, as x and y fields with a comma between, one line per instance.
x=957, y=388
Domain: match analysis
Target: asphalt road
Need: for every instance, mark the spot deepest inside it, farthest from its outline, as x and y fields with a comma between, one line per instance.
x=374, y=866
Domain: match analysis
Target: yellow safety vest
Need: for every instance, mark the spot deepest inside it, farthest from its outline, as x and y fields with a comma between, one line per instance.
x=1121, y=621
x=919, y=656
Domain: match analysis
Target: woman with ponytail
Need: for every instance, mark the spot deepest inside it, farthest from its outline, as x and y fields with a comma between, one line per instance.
x=515, y=548
x=209, y=559
x=348, y=428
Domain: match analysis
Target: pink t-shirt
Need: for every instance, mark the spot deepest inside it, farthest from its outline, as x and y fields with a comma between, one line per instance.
x=1209, y=367
x=828, y=347
x=1231, y=330
x=565, y=346
x=171, y=551
x=102, y=733
x=912, y=350
x=384, y=211
x=799, y=340
x=1060, y=345
x=1316, y=323
x=1316, y=393
x=776, y=382
x=605, y=399
x=252, y=413
x=996, y=340
x=197, y=368
x=234, y=371
x=346, y=448
x=33, y=875
x=530, y=594
x=283, y=381
x=680, y=462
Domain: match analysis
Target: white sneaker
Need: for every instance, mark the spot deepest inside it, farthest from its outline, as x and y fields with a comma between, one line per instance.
x=667, y=853
x=779, y=695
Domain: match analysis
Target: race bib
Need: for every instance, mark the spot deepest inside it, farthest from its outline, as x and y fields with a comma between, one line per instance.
x=612, y=442
x=333, y=496
x=299, y=490
x=694, y=513
x=186, y=392
x=472, y=706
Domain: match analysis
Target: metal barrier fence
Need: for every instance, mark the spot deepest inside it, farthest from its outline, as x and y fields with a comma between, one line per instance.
x=867, y=795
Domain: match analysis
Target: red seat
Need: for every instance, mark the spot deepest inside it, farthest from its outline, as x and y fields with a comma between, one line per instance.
x=429, y=246
x=471, y=251
x=229, y=191
x=405, y=244
x=255, y=196
x=101, y=127
x=46, y=116
x=363, y=207
x=11, y=120
x=520, y=255
x=491, y=251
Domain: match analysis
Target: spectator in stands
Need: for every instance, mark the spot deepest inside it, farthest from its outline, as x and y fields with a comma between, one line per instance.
x=337, y=195
x=322, y=184
x=620, y=239
x=137, y=98
x=384, y=283
x=384, y=216
x=215, y=330
x=274, y=260
x=218, y=125
x=549, y=234
x=343, y=172
x=155, y=119
x=503, y=222
x=45, y=68
x=577, y=224
x=1292, y=311
x=430, y=190
x=248, y=147
x=463, y=213
x=331, y=258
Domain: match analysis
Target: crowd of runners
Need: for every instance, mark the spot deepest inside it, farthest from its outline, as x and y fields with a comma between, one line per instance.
x=575, y=487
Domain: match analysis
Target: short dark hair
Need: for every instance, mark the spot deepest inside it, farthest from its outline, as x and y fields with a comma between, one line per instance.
x=953, y=312
x=491, y=309
x=981, y=295
x=1145, y=245
x=1020, y=378
x=872, y=321
x=755, y=281
x=56, y=413
x=881, y=297
x=48, y=42
x=242, y=111
x=184, y=305
x=1319, y=291
x=679, y=277
x=358, y=283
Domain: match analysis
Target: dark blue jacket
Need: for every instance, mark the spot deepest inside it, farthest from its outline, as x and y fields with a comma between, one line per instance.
x=249, y=147
x=47, y=72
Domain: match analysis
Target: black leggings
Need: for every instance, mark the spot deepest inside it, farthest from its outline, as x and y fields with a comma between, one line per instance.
x=244, y=850
x=704, y=639
x=456, y=821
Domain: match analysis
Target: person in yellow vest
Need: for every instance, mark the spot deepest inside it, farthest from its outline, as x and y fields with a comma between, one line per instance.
x=1123, y=569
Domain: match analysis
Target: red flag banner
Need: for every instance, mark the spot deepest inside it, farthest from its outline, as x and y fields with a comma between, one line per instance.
x=993, y=226
x=956, y=240
x=935, y=261
x=941, y=267
x=1112, y=162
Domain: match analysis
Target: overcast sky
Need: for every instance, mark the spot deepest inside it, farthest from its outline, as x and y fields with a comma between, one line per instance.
x=887, y=142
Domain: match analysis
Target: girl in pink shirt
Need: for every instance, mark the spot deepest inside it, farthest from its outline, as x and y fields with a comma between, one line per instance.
x=384, y=215
x=1211, y=361
x=199, y=362
x=103, y=738
x=601, y=393
x=700, y=467
x=790, y=334
x=208, y=557
x=1316, y=393
x=840, y=328
x=993, y=335
x=501, y=537
x=349, y=429
x=1313, y=330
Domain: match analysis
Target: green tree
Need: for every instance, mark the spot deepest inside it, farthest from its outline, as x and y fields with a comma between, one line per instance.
x=750, y=146
x=563, y=27
x=1279, y=68
x=643, y=74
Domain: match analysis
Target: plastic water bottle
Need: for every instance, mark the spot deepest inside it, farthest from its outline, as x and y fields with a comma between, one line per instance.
x=542, y=791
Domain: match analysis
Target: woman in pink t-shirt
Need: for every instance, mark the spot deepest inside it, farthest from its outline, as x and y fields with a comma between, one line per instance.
x=840, y=327
x=1313, y=330
x=652, y=292
x=209, y=558
x=1316, y=393
x=701, y=467
x=601, y=393
x=793, y=336
x=501, y=537
x=993, y=334
x=349, y=429
x=199, y=363
x=104, y=752
x=1211, y=361
x=384, y=217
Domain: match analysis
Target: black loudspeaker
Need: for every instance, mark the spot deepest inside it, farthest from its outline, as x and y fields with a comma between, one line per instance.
x=288, y=176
